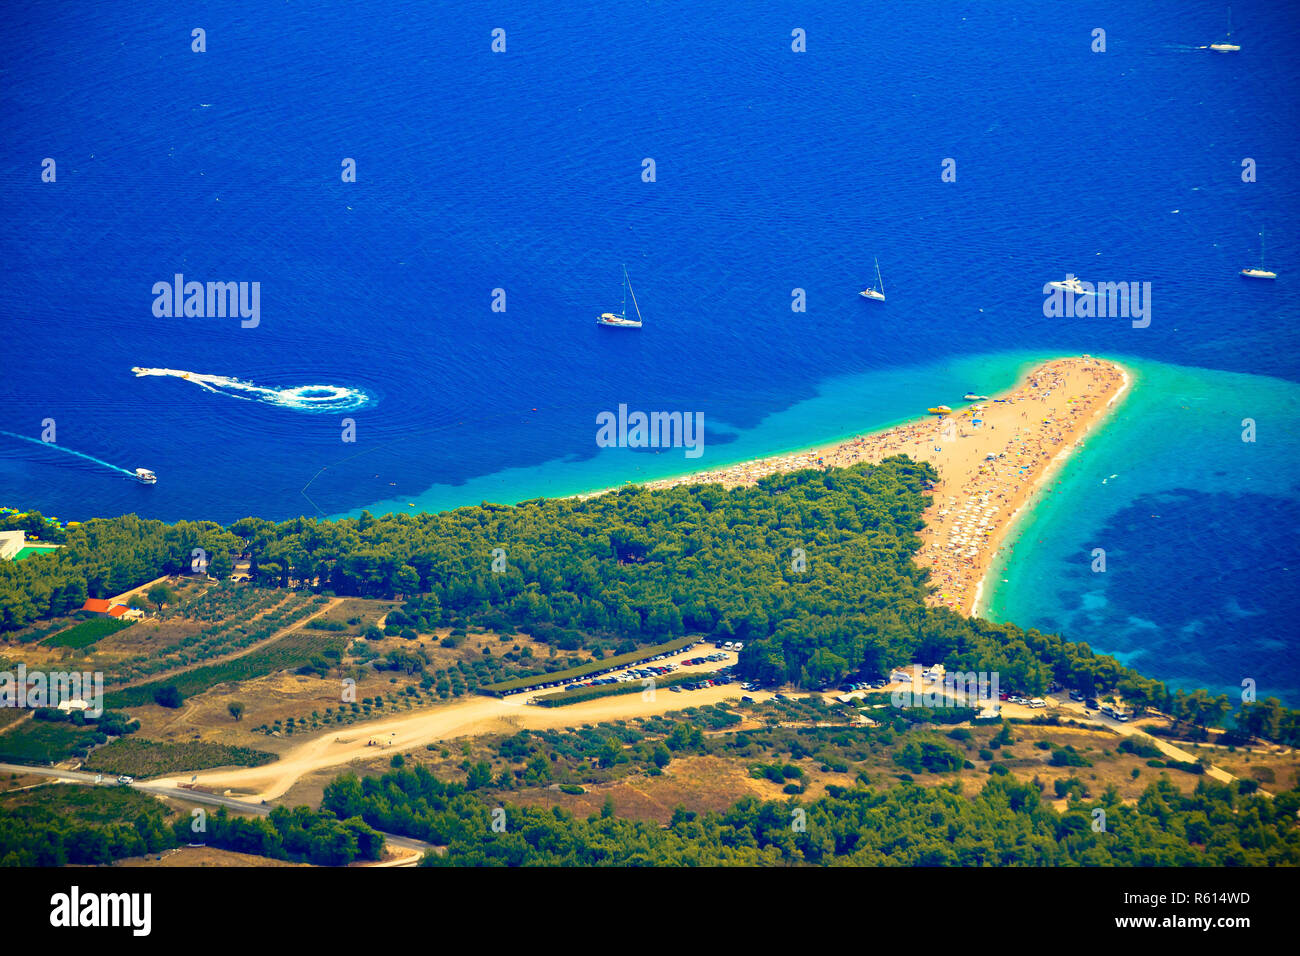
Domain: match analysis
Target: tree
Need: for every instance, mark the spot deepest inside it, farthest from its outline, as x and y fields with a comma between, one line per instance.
x=161, y=594
x=167, y=696
x=478, y=776
x=236, y=710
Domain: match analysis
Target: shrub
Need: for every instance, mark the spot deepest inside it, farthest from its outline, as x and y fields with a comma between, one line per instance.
x=167, y=696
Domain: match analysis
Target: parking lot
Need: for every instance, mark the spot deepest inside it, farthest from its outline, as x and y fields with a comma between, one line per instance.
x=714, y=665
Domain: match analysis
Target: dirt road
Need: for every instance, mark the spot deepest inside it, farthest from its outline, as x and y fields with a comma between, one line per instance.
x=461, y=718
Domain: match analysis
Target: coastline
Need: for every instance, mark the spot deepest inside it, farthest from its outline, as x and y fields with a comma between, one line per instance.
x=842, y=407
x=984, y=594
x=987, y=480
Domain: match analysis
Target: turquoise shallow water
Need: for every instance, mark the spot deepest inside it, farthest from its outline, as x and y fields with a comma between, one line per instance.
x=1199, y=530
x=843, y=406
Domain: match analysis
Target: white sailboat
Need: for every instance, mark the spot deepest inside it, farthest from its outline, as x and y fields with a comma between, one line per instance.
x=1225, y=46
x=620, y=320
x=873, y=292
x=1261, y=272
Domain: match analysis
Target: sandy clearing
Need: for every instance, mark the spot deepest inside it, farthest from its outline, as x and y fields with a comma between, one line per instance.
x=469, y=717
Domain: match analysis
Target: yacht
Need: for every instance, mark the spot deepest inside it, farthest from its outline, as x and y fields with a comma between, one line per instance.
x=620, y=320
x=145, y=476
x=1261, y=272
x=972, y=397
x=873, y=292
x=1069, y=284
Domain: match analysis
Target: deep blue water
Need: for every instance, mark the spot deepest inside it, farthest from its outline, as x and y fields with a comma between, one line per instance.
x=522, y=171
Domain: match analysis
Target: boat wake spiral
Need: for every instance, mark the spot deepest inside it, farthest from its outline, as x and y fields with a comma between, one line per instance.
x=300, y=398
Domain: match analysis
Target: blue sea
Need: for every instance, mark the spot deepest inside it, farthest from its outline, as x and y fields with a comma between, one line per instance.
x=774, y=171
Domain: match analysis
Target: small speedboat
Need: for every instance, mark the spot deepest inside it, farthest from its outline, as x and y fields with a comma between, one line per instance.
x=145, y=476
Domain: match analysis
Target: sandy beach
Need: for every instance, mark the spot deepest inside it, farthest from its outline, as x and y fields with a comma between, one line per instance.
x=991, y=455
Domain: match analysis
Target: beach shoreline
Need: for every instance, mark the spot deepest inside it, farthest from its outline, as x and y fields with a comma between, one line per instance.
x=987, y=478
x=983, y=591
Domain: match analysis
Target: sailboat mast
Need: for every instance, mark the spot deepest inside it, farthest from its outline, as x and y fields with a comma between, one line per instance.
x=633, y=291
x=879, y=278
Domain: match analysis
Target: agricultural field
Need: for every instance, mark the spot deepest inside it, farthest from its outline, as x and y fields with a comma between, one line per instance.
x=224, y=621
x=297, y=649
x=87, y=632
x=207, y=621
x=151, y=758
x=44, y=742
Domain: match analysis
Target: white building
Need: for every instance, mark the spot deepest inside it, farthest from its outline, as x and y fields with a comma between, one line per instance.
x=11, y=542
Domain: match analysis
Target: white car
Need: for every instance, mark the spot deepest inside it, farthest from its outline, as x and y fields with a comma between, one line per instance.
x=1038, y=702
x=124, y=779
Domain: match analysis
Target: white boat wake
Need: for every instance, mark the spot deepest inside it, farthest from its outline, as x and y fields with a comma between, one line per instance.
x=69, y=451
x=302, y=398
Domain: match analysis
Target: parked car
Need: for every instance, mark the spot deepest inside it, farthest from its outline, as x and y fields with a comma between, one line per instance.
x=1091, y=704
x=124, y=779
x=1076, y=695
